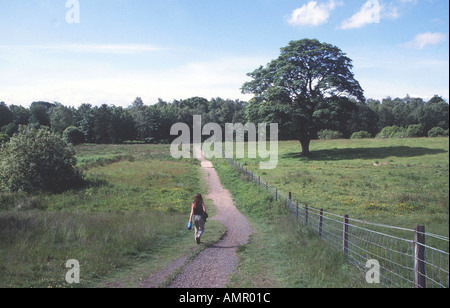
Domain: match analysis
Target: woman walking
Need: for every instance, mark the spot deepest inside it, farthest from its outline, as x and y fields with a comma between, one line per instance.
x=198, y=213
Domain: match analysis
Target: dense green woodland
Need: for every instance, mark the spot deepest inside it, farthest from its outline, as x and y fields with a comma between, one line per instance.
x=106, y=124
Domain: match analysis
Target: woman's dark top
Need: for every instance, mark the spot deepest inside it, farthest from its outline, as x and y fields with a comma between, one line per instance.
x=198, y=210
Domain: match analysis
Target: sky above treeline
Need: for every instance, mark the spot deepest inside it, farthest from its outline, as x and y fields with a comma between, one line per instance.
x=112, y=51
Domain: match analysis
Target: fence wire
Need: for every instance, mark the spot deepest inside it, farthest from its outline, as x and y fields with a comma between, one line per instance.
x=397, y=257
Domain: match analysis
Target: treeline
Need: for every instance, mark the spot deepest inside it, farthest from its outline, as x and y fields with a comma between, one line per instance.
x=108, y=124
x=151, y=123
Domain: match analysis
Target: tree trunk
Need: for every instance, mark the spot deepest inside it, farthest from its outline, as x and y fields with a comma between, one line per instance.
x=305, y=141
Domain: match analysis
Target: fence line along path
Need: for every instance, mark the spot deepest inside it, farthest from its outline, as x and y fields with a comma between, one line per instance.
x=212, y=267
x=403, y=262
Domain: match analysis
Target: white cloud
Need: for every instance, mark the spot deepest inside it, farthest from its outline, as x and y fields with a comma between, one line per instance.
x=312, y=13
x=424, y=39
x=368, y=14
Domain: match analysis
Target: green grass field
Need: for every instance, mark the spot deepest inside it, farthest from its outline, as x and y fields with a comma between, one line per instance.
x=130, y=219
x=132, y=214
x=401, y=182
x=281, y=253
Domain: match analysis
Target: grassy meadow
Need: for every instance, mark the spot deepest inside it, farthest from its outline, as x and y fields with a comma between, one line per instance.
x=131, y=214
x=281, y=253
x=400, y=182
x=129, y=220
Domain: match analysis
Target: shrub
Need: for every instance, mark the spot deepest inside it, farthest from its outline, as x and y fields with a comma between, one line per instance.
x=415, y=130
x=73, y=135
x=393, y=132
x=4, y=138
x=361, y=135
x=37, y=160
x=436, y=132
x=328, y=134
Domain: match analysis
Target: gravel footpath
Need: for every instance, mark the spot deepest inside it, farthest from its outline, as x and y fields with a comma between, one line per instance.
x=212, y=267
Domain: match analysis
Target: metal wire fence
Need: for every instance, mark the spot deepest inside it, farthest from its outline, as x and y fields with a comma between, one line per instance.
x=398, y=260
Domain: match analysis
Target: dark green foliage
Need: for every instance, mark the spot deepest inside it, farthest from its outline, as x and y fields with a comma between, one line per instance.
x=328, y=134
x=312, y=83
x=4, y=138
x=73, y=135
x=37, y=160
x=436, y=132
x=361, y=135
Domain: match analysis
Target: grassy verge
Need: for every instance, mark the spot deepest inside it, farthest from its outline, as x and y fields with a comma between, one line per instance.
x=132, y=214
x=280, y=253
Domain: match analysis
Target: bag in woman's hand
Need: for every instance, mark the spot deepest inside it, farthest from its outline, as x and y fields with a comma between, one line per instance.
x=205, y=216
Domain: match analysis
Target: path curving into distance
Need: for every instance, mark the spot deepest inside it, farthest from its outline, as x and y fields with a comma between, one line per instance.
x=212, y=267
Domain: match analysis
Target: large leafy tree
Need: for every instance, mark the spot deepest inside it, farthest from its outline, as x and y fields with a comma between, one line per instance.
x=310, y=82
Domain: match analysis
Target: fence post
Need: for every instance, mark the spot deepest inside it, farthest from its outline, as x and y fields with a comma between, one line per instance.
x=276, y=194
x=297, y=210
x=320, y=222
x=345, y=236
x=419, y=257
x=306, y=214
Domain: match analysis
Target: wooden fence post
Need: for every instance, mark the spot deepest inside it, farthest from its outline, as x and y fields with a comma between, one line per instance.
x=320, y=222
x=306, y=215
x=345, y=236
x=419, y=258
x=276, y=194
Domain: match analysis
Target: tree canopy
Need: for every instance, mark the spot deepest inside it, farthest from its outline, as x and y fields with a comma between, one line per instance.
x=311, y=83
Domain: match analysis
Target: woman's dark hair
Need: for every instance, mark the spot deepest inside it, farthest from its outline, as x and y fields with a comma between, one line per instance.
x=198, y=201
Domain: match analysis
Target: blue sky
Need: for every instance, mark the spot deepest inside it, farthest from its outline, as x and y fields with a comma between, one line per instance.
x=175, y=49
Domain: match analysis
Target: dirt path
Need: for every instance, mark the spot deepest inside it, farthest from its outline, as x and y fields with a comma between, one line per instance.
x=213, y=266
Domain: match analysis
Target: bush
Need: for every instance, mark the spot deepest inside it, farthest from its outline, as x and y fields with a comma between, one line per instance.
x=361, y=135
x=393, y=132
x=4, y=138
x=37, y=160
x=415, y=130
x=436, y=132
x=73, y=135
x=328, y=134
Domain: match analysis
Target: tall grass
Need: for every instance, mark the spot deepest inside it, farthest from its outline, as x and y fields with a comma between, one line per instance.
x=135, y=205
x=36, y=245
x=280, y=252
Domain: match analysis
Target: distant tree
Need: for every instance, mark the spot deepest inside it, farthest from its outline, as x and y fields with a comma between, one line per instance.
x=21, y=116
x=6, y=116
x=434, y=114
x=103, y=130
x=40, y=113
x=60, y=118
x=122, y=125
x=73, y=135
x=141, y=117
x=84, y=118
x=309, y=79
